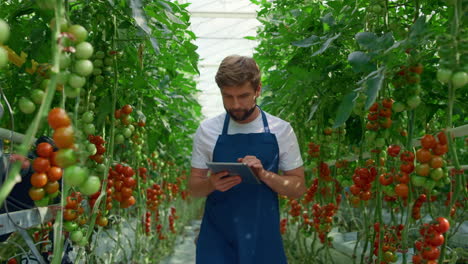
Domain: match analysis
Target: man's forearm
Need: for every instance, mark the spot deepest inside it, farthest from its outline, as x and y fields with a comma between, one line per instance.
x=289, y=185
x=200, y=187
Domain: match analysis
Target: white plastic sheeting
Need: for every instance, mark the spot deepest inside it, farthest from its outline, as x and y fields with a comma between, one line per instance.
x=220, y=26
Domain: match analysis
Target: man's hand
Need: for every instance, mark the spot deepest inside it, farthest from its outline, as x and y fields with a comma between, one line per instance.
x=224, y=184
x=255, y=164
x=24, y=161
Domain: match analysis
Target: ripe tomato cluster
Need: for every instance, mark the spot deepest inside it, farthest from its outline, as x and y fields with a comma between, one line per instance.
x=407, y=89
x=173, y=216
x=314, y=150
x=46, y=174
x=311, y=191
x=142, y=173
x=431, y=169
x=391, y=241
x=98, y=142
x=283, y=225
x=361, y=189
x=416, y=210
x=380, y=114
x=154, y=195
x=324, y=172
x=323, y=219
x=296, y=208
x=427, y=248
x=123, y=184
x=147, y=223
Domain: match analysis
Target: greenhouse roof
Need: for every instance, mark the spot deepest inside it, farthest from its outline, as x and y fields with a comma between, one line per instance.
x=220, y=26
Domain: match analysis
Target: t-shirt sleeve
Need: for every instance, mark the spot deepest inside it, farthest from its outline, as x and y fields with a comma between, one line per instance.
x=290, y=154
x=200, y=151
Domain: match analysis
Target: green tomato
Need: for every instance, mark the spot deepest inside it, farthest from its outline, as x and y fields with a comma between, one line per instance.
x=62, y=77
x=83, y=67
x=90, y=186
x=97, y=71
x=76, y=81
x=380, y=142
x=37, y=96
x=84, y=51
x=65, y=158
x=91, y=106
x=3, y=57
x=83, y=242
x=78, y=32
x=4, y=31
x=413, y=101
x=437, y=174
x=429, y=185
x=127, y=132
x=108, y=61
x=65, y=61
x=63, y=24
x=100, y=54
x=418, y=181
x=26, y=106
x=459, y=79
x=75, y=175
x=444, y=75
x=132, y=128
x=88, y=117
x=119, y=139
x=76, y=236
x=377, y=9
x=91, y=148
x=70, y=226
x=100, y=167
x=72, y=92
x=98, y=63
x=89, y=129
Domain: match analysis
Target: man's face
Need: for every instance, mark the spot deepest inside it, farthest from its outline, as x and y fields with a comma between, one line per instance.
x=240, y=101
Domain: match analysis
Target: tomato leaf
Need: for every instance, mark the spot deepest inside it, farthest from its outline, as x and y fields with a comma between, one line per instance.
x=139, y=15
x=326, y=44
x=312, y=40
x=313, y=109
x=360, y=62
x=367, y=40
x=328, y=19
x=345, y=108
x=373, y=87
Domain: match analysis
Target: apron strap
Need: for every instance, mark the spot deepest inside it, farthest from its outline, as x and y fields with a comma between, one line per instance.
x=265, y=122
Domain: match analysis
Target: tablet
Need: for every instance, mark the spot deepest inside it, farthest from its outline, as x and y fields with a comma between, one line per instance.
x=235, y=168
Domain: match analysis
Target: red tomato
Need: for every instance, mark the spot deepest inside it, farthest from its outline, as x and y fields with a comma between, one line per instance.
x=431, y=253
x=44, y=149
x=423, y=155
x=58, y=118
x=443, y=225
x=442, y=138
x=54, y=173
x=64, y=137
x=393, y=150
x=428, y=141
x=38, y=179
x=127, y=109
x=407, y=156
x=436, y=239
x=41, y=164
x=407, y=167
x=401, y=190
x=440, y=149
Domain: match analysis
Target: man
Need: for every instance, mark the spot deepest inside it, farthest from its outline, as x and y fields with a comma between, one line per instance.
x=241, y=221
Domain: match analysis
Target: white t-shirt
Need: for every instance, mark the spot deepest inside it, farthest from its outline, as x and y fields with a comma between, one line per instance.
x=207, y=134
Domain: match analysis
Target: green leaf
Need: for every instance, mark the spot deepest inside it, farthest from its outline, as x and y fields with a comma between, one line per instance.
x=418, y=28
x=312, y=40
x=326, y=45
x=367, y=40
x=313, y=109
x=360, y=62
x=250, y=37
x=328, y=19
x=139, y=15
x=345, y=109
x=373, y=87
x=386, y=41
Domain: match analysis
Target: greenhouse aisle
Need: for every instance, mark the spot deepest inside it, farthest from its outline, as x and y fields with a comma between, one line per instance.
x=184, y=251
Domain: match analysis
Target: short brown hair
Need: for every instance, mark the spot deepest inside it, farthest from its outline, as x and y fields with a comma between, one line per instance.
x=236, y=70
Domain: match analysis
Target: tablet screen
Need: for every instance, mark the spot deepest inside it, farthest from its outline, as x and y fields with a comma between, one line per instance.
x=235, y=168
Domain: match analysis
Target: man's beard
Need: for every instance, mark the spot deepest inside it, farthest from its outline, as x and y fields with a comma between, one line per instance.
x=247, y=113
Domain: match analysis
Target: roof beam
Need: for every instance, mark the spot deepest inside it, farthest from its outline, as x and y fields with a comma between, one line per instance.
x=252, y=15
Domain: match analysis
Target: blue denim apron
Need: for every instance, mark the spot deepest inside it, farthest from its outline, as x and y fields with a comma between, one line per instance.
x=241, y=225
